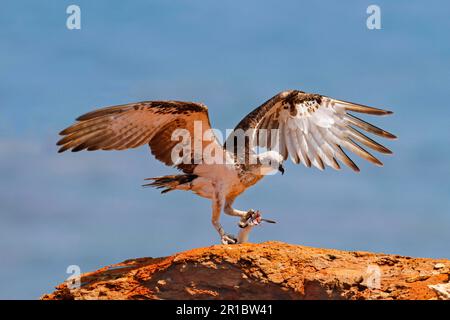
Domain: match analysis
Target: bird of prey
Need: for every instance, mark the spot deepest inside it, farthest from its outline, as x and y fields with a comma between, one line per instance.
x=311, y=129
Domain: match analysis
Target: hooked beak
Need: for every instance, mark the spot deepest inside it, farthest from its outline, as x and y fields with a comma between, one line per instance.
x=281, y=169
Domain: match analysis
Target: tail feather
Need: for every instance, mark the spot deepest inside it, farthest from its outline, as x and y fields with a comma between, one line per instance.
x=171, y=182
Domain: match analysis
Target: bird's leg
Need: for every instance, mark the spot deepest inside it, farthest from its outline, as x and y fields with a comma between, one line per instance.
x=244, y=215
x=247, y=222
x=216, y=209
x=228, y=209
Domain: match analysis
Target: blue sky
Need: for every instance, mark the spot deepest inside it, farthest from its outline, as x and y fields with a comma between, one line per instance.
x=88, y=209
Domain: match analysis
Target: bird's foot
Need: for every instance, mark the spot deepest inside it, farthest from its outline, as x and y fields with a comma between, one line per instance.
x=251, y=218
x=228, y=239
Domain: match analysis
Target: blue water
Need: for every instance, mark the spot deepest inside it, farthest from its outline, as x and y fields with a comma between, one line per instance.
x=88, y=209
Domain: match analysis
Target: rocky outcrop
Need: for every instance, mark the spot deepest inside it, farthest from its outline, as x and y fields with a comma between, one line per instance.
x=271, y=270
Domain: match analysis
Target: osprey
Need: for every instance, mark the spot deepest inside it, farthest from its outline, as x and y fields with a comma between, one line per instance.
x=311, y=129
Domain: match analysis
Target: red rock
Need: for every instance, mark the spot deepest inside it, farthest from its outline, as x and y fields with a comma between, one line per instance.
x=270, y=270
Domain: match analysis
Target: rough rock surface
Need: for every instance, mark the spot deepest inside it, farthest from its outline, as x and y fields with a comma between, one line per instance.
x=270, y=270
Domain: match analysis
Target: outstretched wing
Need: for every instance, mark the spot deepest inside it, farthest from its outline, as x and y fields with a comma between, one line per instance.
x=132, y=125
x=314, y=129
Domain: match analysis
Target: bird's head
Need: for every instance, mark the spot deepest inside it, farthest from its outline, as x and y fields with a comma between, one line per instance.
x=271, y=162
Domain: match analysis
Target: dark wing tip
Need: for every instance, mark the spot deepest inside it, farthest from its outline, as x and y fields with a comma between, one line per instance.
x=91, y=114
x=382, y=112
x=391, y=136
x=379, y=163
x=62, y=149
x=84, y=117
x=64, y=132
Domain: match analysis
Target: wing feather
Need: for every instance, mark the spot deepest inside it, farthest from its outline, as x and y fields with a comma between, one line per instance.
x=368, y=127
x=305, y=149
x=314, y=151
x=346, y=159
x=135, y=124
x=290, y=145
x=356, y=107
x=281, y=146
x=368, y=142
x=314, y=129
x=298, y=144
